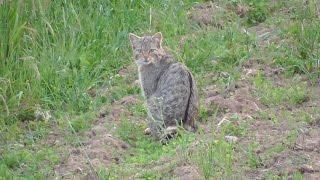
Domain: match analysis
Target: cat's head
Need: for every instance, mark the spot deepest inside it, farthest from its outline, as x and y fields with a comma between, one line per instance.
x=147, y=49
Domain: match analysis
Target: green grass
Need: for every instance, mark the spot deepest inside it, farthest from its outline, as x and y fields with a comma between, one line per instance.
x=145, y=151
x=215, y=158
x=81, y=123
x=64, y=57
x=26, y=162
x=257, y=12
x=253, y=159
x=270, y=94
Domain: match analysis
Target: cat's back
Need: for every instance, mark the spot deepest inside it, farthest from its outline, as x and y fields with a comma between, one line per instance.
x=176, y=75
x=178, y=90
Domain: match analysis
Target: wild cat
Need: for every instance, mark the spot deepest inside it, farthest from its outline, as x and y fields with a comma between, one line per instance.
x=168, y=86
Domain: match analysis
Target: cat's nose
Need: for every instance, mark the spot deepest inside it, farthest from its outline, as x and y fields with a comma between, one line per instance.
x=146, y=59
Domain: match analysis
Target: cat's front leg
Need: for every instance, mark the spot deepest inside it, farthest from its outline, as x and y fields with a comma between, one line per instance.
x=155, y=116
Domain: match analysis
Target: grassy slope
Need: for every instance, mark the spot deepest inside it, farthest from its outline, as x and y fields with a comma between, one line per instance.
x=57, y=55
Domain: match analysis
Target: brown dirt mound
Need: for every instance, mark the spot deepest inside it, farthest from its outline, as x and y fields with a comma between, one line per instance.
x=203, y=14
x=119, y=108
x=240, y=102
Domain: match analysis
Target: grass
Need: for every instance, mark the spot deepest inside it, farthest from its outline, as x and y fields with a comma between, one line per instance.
x=215, y=158
x=65, y=58
x=257, y=12
x=81, y=123
x=253, y=160
x=145, y=151
x=271, y=94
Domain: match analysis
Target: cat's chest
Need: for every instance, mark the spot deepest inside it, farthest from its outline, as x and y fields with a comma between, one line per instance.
x=148, y=81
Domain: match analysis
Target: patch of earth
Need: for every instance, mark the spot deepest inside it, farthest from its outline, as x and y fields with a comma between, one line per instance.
x=287, y=12
x=252, y=67
x=187, y=172
x=96, y=152
x=275, y=75
x=269, y=72
x=304, y=157
x=119, y=108
x=204, y=14
x=277, y=155
x=309, y=141
x=266, y=34
x=101, y=149
x=239, y=101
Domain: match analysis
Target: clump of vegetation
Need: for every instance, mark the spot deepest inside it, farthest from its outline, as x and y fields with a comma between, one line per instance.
x=215, y=158
x=234, y=128
x=253, y=160
x=257, y=12
x=307, y=37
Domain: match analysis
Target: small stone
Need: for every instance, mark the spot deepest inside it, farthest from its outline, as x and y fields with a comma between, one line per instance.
x=224, y=74
x=136, y=83
x=147, y=131
x=251, y=72
x=41, y=114
x=232, y=139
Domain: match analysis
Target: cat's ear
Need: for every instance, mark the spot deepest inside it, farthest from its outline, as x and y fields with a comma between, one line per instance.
x=158, y=38
x=134, y=39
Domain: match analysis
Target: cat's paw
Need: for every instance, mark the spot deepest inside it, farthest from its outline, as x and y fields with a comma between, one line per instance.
x=169, y=133
x=171, y=130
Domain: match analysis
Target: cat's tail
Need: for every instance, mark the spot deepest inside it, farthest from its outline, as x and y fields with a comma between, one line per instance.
x=192, y=110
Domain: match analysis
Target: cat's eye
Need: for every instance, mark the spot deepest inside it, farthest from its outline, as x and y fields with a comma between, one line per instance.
x=139, y=50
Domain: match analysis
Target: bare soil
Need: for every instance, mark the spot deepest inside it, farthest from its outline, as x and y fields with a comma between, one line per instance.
x=98, y=148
